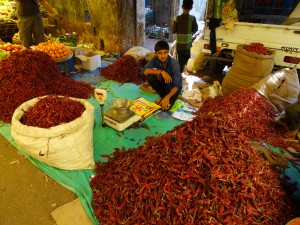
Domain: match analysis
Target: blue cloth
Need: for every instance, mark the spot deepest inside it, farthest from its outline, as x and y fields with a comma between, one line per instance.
x=172, y=68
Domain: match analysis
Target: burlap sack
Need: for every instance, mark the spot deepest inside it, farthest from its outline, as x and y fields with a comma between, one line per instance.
x=247, y=69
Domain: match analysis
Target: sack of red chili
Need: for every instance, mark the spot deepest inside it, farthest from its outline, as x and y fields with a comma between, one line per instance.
x=68, y=143
x=248, y=68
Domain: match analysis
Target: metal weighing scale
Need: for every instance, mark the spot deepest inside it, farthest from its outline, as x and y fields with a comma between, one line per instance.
x=120, y=121
x=119, y=116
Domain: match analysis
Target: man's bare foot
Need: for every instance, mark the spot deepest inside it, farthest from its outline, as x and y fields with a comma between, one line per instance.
x=157, y=101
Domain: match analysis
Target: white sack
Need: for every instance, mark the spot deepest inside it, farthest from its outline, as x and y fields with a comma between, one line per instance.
x=138, y=53
x=68, y=146
x=280, y=88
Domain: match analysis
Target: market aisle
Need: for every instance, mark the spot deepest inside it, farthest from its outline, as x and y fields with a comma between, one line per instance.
x=27, y=195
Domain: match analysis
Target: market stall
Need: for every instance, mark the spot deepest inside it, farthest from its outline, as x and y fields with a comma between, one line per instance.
x=227, y=163
x=8, y=20
x=214, y=148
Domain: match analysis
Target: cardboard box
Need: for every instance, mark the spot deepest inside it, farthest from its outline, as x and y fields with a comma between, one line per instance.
x=90, y=60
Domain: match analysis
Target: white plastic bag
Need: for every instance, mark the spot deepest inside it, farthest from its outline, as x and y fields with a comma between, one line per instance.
x=212, y=91
x=67, y=146
x=197, y=60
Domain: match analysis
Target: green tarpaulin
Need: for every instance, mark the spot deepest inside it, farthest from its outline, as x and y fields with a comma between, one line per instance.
x=106, y=140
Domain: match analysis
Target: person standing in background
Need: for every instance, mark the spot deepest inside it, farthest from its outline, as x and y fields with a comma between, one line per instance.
x=184, y=26
x=30, y=21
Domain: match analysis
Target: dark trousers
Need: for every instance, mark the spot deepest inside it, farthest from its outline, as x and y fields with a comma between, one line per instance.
x=183, y=57
x=293, y=116
x=159, y=85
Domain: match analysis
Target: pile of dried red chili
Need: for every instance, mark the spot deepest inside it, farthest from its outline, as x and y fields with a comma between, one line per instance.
x=28, y=74
x=51, y=111
x=124, y=70
x=201, y=172
x=258, y=48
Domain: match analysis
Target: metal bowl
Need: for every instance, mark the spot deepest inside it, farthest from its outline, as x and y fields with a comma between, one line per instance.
x=121, y=105
x=72, y=35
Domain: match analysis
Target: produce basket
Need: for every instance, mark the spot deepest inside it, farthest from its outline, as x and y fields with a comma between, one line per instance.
x=63, y=59
x=295, y=221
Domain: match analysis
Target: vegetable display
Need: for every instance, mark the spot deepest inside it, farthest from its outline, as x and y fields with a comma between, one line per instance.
x=3, y=54
x=52, y=111
x=11, y=47
x=56, y=50
x=202, y=172
x=28, y=74
x=124, y=70
x=258, y=48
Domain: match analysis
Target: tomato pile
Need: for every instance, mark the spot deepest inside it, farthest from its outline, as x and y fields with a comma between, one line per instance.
x=56, y=50
x=258, y=48
x=9, y=47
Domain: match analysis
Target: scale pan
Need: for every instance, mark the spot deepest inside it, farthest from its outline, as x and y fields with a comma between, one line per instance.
x=121, y=105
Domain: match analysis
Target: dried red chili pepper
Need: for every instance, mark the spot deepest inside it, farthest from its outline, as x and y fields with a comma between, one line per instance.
x=193, y=185
x=52, y=111
x=124, y=70
x=258, y=48
x=28, y=74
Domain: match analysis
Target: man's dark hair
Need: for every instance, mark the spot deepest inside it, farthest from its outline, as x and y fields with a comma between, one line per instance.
x=161, y=45
x=188, y=4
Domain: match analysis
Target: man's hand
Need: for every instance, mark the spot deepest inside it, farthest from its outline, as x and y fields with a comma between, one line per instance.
x=58, y=17
x=166, y=76
x=165, y=103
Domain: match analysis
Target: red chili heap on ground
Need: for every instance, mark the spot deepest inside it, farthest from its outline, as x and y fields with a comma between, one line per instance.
x=201, y=172
x=29, y=74
x=52, y=111
x=124, y=70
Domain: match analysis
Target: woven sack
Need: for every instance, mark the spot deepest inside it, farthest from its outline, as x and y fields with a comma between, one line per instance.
x=269, y=84
x=287, y=93
x=67, y=146
x=247, y=69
